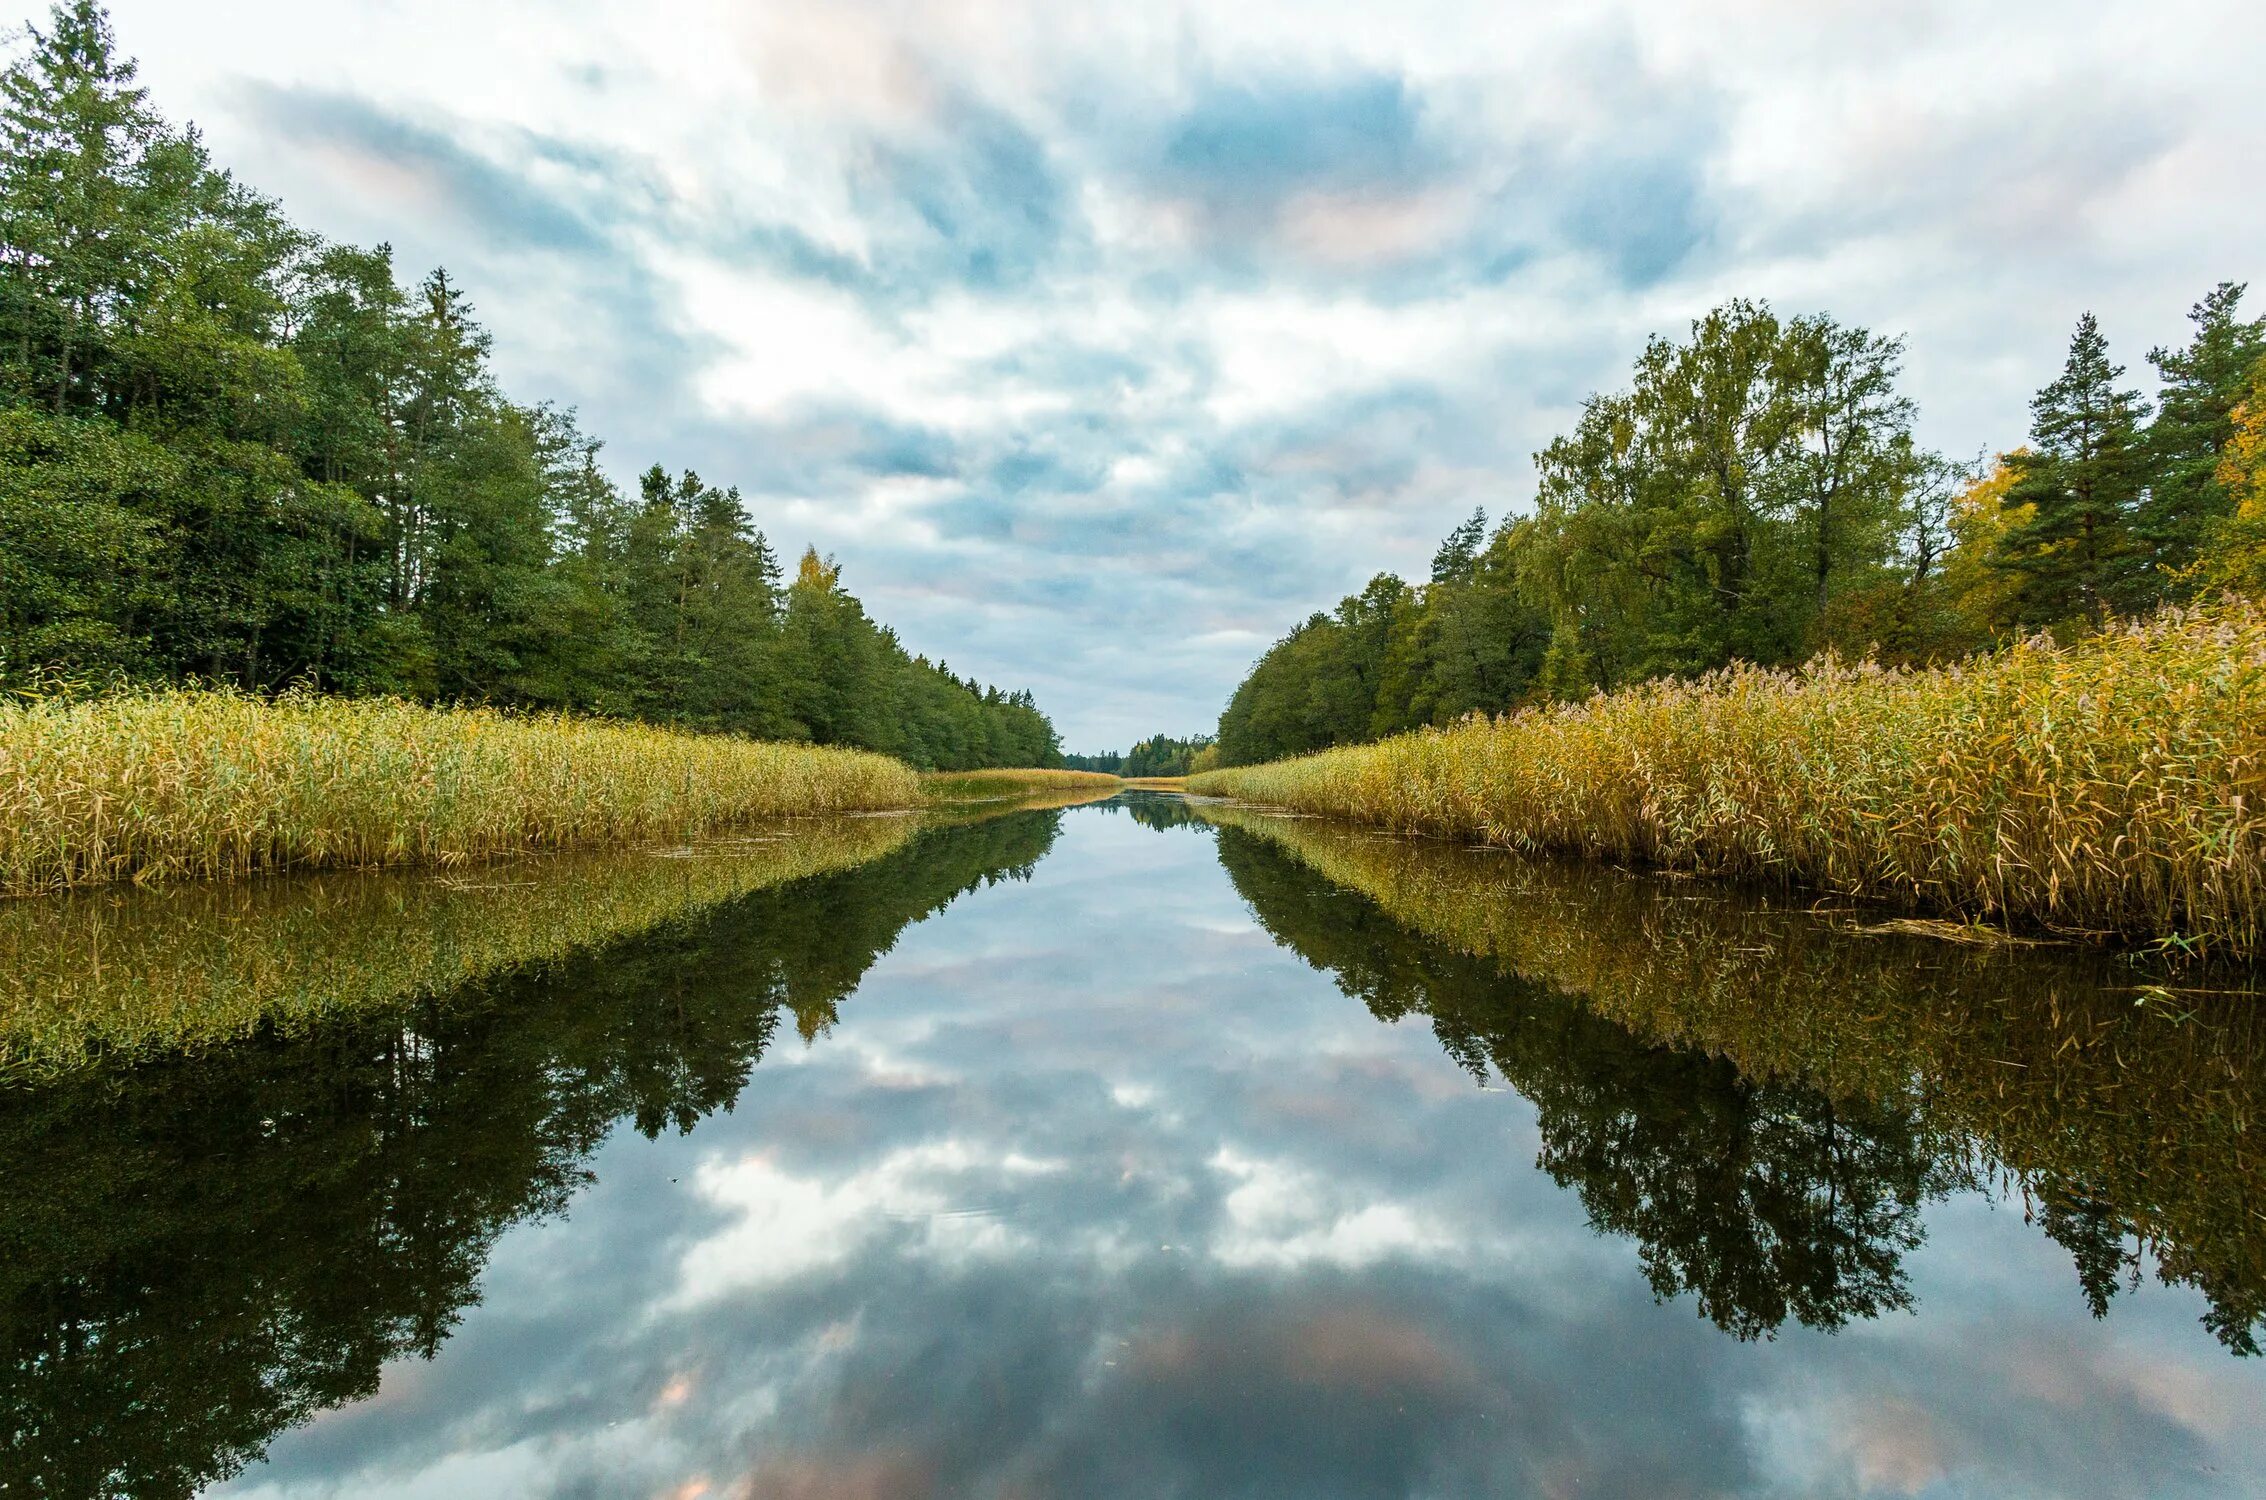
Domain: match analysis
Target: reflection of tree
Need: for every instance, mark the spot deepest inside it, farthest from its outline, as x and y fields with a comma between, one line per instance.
x=201, y=1252
x=1768, y=1201
x=2094, y=1234
x=1159, y=810
x=2125, y=1127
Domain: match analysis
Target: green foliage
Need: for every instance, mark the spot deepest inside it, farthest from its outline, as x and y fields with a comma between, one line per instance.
x=233, y=454
x=1158, y=755
x=2203, y=386
x=2082, y=477
x=1394, y=657
x=1756, y=496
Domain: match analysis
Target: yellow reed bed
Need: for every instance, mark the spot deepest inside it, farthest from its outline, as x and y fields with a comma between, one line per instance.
x=2116, y=786
x=124, y=973
x=996, y=785
x=1025, y=789
x=168, y=784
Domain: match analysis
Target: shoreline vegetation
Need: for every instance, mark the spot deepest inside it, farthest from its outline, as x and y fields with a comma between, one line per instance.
x=123, y=973
x=2111, y=788
x=174, y=783
x=1008, y=782
x=954, y=796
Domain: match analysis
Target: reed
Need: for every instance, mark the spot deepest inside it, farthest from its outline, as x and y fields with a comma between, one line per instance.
x=182, y=783
x=2116, y=786
x=987, y=786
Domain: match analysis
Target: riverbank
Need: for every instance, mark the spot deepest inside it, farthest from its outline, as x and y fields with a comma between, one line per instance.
x=956, y=788
x=2114, y=788
x=190, y=784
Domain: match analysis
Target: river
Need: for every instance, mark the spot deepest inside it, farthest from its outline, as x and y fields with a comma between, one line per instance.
x=1132, y=1149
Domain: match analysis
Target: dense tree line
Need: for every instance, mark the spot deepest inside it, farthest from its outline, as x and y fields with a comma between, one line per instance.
x=1757, y=494
x=233, y=453
x=1158, y=755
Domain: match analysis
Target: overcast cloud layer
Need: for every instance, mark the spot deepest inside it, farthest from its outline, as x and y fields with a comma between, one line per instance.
x=1103, y=343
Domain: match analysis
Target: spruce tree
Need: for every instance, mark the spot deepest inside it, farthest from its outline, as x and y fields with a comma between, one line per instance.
x=2076, y=555
x=1459, y=552
x=2195, y=419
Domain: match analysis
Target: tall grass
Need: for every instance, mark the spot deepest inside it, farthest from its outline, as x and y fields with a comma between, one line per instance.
x=156, y=785
x=2116, y=786
x=996, y=785
x=122, y=973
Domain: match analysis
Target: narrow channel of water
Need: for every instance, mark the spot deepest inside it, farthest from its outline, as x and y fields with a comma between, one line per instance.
x=1136, y=1149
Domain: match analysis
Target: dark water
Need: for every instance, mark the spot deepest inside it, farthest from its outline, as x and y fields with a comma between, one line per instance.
x=1107, y=1152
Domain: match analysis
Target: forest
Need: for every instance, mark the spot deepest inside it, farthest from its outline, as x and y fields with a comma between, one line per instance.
x=1757, y=494
x=236, y=455
x=1158, y=755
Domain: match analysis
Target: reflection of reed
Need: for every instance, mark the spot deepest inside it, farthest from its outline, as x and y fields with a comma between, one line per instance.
x=1013, y=784
x=130, y=972
x=1008, y=798
x=2056, y=1066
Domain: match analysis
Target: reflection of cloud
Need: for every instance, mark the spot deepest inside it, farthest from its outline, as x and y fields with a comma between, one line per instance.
x=837, y=1476
x=1373, y=1296
x=1282, y=1217
x=1894, y=1447
x=932, y=1195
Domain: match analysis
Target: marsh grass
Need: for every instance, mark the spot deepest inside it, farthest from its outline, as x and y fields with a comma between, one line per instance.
x=121, y=972
x=2115, y=787
x=1013, y=784
x=168, y=784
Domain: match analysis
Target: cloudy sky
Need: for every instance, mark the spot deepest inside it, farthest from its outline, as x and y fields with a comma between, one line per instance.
x=1104, y=342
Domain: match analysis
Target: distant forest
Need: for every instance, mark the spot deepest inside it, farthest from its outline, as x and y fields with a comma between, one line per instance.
x=1159, y=755
x=235, y=454
x=1756, y=494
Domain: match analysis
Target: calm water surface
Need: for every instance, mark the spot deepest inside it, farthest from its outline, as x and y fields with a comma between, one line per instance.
x=1108, y=1152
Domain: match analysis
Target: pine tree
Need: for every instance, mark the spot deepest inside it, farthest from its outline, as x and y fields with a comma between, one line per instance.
x=2076, y=554
x=75, y=136
x=1459, y=553
x=2195, y=420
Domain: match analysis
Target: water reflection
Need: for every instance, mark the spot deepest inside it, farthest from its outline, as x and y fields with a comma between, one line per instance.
x=1094, y=1188
x=122, y=972
x=1764, y=1097
x=211, y=1249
